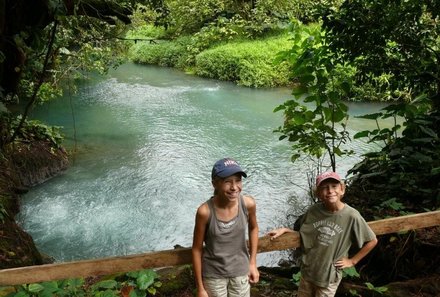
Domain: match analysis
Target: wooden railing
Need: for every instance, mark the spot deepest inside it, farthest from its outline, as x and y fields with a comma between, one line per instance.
x=106, y=266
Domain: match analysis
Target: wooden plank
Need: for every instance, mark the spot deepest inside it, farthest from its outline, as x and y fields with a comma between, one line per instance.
x=406, y=223
x=105, y=266
x=284, y=242
x=58, y=271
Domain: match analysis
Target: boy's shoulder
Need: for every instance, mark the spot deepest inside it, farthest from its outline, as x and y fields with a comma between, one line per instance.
x=314, y=206
x=351, y=209
x=203, y=209
x=248, y=198
x=249, y=201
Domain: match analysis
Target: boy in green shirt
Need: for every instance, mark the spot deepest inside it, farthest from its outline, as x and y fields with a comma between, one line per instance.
x=328, y=229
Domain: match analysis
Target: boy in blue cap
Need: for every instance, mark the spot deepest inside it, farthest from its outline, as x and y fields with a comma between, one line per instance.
x=224, y=266
x=328, y=230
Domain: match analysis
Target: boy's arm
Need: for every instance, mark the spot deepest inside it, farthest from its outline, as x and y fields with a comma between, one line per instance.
x=197, y=247
x=350, y=262
x=278, y=232
x=254, y=275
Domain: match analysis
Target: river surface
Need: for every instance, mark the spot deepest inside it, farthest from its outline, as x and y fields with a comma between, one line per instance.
x=143, y=141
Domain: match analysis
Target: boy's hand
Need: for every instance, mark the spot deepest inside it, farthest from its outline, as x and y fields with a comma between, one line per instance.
x=254, y=274
x=202, y=293
x=344, y=263
x=274, y=233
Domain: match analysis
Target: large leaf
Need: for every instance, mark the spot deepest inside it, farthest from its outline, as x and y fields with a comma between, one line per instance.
x=146, y=279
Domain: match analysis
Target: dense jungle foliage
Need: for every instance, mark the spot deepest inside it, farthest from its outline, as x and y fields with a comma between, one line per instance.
x=328, y=52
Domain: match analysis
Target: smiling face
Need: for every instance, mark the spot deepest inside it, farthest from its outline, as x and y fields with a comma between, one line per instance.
x=228, y=188
x=330, y=191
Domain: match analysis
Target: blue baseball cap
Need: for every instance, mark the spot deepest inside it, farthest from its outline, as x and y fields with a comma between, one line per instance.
x=226, y=167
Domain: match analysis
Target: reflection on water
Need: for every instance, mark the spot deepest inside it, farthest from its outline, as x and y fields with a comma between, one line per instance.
x=145, y=139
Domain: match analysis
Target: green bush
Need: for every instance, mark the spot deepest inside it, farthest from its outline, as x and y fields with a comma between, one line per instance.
x=218, y=63
x=163, y=53
x=146, y=31
x=248, y=63
x=259, y=73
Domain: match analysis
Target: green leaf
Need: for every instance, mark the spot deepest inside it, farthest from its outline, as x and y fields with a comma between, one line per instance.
x=361, y=134
x=351, y=272
x=334, y=96
x=337, y=151
x=371, y=116
x=309, y=115
x=429, y=131
x=328, y=113
x=294, y=157
x=35, y=288
x=306, y=78
x=50, y=286
x=435, y=171
x=299, y=90
x=345, y=86
x=338, y=115
x=133, y=293
x=353, y=292
x=106, y=284
x=298, y=119
x=369, y=286
x=76, y=282
x=152, y=290
x=280, y=107
x=309, y=98
x=146, y=279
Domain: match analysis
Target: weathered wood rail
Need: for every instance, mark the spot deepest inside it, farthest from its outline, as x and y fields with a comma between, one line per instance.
x=106, y=266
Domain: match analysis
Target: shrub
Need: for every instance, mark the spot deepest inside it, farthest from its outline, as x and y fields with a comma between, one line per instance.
x=248, y=63
x=163, y=53
x=146, y=31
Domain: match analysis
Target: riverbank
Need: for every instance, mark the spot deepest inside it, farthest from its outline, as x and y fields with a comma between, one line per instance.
x=22, y=166
x=245, y=62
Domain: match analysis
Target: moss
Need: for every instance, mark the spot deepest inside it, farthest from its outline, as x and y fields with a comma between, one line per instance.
x=175, y=280
x=4, y=291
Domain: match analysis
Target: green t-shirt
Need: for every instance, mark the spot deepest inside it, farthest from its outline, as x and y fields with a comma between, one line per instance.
x=326, y=237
